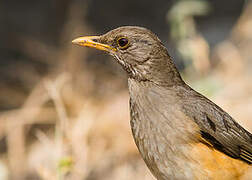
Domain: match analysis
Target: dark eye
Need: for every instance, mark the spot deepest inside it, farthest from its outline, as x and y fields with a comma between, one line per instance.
x=123, y=42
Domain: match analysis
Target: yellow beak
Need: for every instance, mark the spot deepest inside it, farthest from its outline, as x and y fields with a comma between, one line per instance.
x=90, y=41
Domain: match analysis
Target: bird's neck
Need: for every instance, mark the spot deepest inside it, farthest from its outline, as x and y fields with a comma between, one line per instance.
x=166, y=74
x=161, y=71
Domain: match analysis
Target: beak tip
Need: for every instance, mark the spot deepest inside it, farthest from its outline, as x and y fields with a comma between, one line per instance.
x=75, y=41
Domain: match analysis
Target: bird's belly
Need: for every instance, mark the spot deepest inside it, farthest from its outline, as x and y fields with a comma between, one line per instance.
x=218, y=165
x=164, y=158
x=191, y=161
x=184, y=160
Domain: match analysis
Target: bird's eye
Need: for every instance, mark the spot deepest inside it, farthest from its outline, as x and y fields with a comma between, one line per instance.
x=123, y=42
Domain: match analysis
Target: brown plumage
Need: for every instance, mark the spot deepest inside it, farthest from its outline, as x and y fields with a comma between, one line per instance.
x=180, y=133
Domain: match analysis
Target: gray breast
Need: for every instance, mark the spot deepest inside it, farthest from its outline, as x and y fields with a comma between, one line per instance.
x=162, y=133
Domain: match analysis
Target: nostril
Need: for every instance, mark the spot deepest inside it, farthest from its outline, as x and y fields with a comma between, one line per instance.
x=95, y=40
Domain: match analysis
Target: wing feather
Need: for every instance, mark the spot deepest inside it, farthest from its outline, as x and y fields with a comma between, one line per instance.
x=246, y=156
x=219, y=128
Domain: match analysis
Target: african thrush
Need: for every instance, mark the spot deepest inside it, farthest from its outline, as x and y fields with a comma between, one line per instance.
x=179, y=133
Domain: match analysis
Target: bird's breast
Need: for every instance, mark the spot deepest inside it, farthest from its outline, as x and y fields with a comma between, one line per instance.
x=162, y=133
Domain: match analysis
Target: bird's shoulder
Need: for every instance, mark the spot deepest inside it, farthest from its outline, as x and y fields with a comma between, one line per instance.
x=216, y=126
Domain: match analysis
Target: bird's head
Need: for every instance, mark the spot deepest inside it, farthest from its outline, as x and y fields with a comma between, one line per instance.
x=137, y=49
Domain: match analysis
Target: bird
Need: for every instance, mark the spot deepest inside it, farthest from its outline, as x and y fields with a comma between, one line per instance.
x=180, y=134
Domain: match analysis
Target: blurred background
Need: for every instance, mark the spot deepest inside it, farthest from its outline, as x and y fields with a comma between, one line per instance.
x=64, y=110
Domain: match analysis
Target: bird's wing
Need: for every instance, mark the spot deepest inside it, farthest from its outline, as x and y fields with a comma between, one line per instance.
x=219, y=129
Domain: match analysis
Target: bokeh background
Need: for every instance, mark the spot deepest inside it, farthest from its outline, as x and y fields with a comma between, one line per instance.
x=64, y=110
